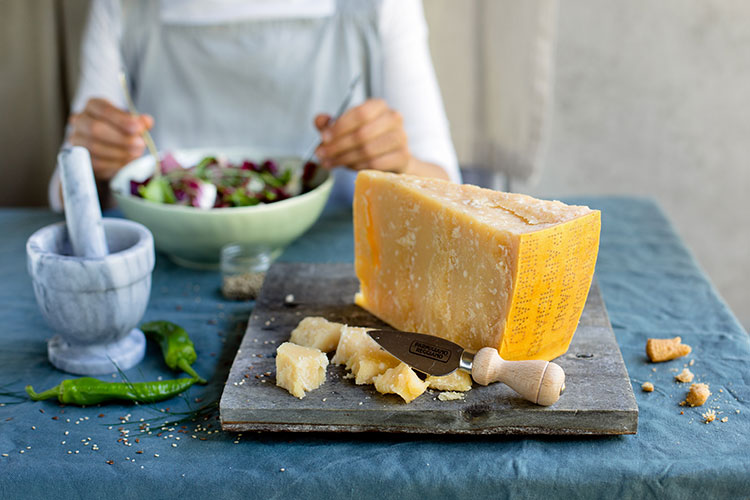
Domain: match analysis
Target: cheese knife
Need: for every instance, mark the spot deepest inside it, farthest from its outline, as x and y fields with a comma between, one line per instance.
x=538, y=381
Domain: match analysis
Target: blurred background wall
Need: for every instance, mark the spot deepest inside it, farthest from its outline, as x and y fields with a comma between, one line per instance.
x=649, y=98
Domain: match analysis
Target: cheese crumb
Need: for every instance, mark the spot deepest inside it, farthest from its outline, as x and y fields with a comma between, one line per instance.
x=725, y=419
x=450, y=396
x=698, y=394
x=709, y=416
x=684, y=376
x=647, y=387
x=659, y=350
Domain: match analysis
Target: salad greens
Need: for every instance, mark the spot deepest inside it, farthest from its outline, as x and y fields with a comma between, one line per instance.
x=215, y=182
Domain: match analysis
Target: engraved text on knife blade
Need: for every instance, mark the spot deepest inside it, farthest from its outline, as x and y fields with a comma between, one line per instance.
x=430, y=351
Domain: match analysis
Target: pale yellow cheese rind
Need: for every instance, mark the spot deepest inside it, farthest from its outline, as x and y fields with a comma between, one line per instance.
x=401, y=380
x=475, y=266
x=300, y=369
x=317, y=332
x=458, y=381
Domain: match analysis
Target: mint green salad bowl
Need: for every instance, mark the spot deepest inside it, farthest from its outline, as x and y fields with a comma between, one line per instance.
x=193, y=237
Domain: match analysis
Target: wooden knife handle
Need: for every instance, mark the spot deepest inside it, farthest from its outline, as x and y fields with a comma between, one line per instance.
x=539, y=381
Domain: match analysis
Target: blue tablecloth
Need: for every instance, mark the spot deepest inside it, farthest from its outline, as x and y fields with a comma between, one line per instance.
x=652, y=288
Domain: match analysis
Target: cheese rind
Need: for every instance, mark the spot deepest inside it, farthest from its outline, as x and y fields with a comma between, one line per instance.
x=300, y=369
x=317, y=332
x=475, y=266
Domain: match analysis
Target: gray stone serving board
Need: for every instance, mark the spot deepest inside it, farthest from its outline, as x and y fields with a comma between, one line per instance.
x=598, y=399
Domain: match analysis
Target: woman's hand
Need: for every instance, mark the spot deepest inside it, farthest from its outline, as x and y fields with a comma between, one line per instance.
x=112, y=136
x=370, y=136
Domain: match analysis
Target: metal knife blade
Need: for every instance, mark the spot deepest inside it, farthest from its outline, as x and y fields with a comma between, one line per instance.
x=425, y=353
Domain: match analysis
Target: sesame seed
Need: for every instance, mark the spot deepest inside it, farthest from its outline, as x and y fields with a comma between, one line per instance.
x=174, y=445
x=156, y=455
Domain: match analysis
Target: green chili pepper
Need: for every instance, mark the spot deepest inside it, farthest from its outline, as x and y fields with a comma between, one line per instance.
x=90, y=391
x=176, y=346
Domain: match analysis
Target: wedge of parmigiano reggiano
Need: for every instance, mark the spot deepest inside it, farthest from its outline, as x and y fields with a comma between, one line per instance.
x=475, y=266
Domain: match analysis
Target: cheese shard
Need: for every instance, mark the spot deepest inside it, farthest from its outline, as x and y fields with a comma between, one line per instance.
x=475, y=266
x=459, y=381
x=300, y=369
x=400, y=380
x=362, y=355
x=317, y=332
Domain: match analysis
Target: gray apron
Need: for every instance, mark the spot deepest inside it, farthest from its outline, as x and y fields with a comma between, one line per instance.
x=256, y=83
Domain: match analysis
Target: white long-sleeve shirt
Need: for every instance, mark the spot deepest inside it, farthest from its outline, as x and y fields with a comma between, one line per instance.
x=409, y=82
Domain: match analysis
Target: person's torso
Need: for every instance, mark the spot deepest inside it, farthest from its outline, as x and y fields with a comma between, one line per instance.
x=249, y=82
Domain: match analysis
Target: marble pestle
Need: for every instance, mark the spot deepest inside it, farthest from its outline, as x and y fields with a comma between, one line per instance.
x=83, y=215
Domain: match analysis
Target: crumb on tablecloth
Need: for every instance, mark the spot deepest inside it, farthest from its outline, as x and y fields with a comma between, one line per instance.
x=709, y=416
x=647, y=387
x=659, y=350
x=684, y=376
x=698, y=394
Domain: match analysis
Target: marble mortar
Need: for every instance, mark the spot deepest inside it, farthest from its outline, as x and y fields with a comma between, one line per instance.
x=93, y=303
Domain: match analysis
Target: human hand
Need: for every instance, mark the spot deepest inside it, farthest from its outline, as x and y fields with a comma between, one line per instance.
x=112, y=136
x=368, y=136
